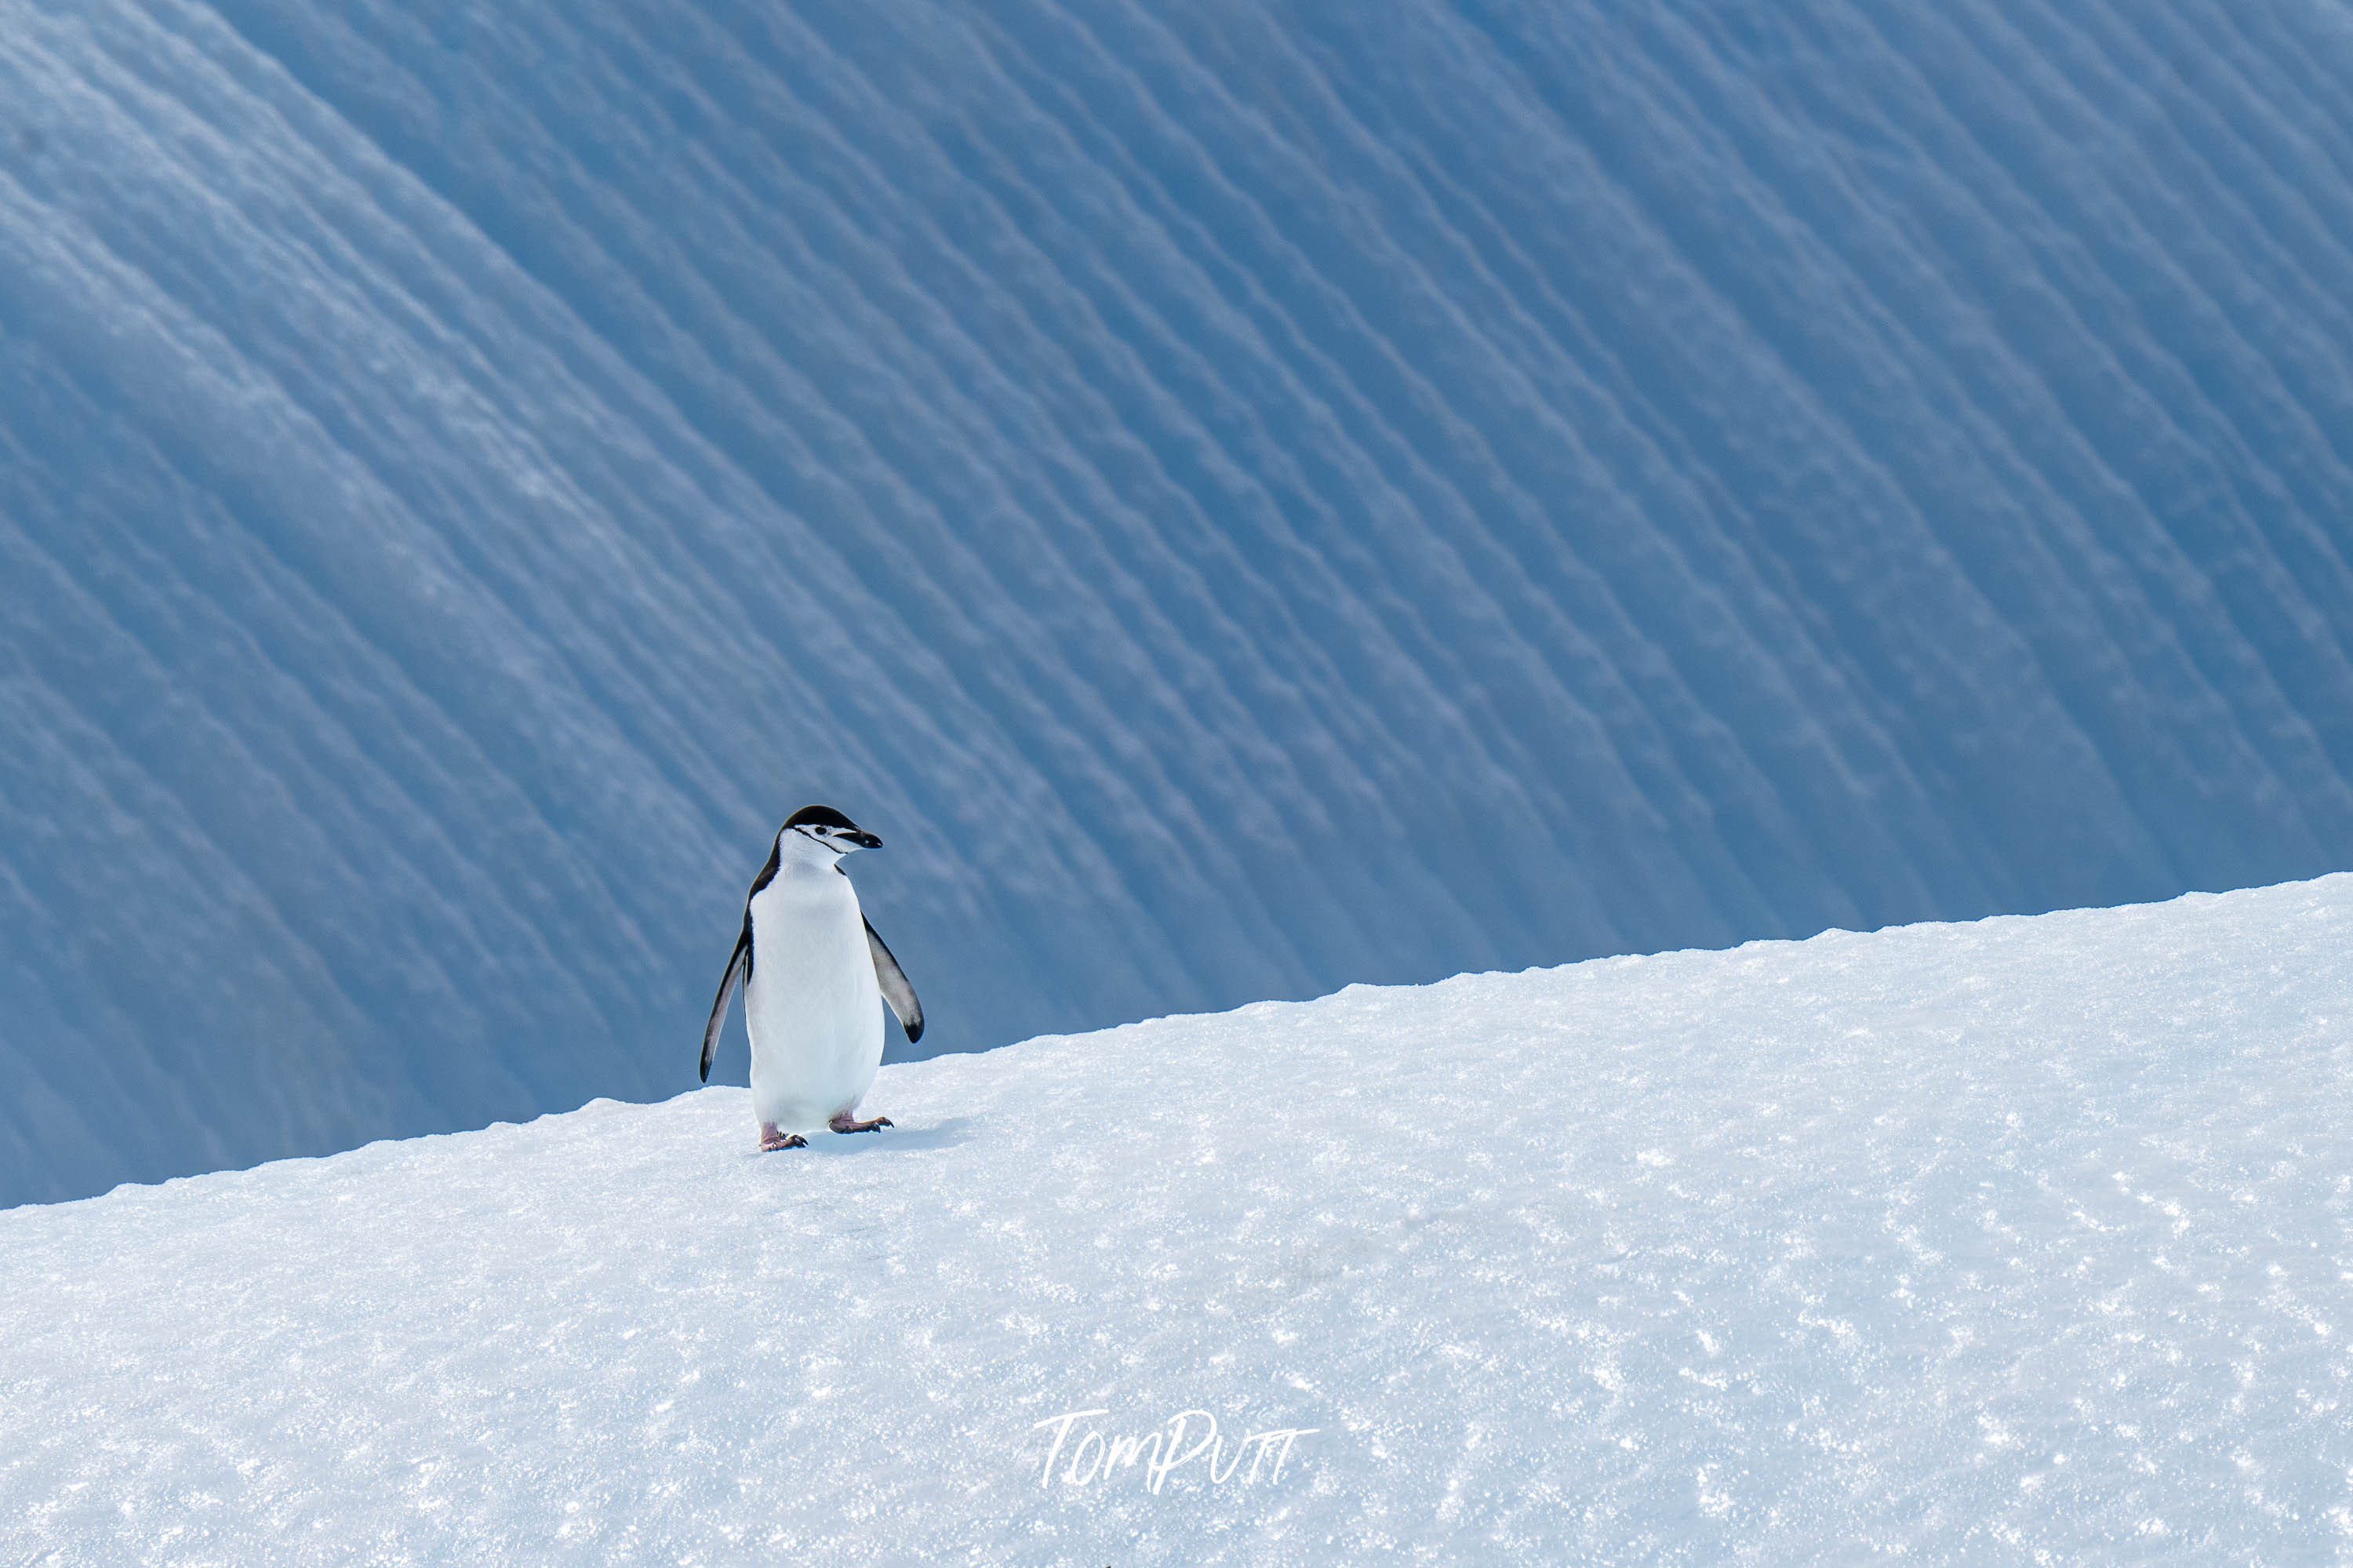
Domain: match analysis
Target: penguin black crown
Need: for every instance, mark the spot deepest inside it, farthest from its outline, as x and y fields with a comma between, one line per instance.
x=815, y=975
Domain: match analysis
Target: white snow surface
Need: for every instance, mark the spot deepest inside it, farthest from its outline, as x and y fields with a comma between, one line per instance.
x=2024, y=1239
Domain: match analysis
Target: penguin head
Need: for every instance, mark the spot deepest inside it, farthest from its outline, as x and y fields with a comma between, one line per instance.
x=821, y=832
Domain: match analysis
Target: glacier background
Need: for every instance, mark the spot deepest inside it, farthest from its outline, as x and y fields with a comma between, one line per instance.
x=1242, y=498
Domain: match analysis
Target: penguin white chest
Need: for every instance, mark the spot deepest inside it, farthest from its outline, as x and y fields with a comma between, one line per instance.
x=812, y=1005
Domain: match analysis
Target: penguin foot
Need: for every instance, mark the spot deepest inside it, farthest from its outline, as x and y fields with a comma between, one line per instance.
x=872, y=1124
x=771, y=1140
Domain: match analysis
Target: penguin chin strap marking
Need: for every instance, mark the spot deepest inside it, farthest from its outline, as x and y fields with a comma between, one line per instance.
x=838, y=851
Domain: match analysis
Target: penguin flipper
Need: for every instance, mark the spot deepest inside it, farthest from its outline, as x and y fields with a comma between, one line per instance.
x=895, y=989
x=737, y=963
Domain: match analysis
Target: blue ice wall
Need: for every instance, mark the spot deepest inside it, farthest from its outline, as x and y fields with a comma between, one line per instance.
x=1243, y=497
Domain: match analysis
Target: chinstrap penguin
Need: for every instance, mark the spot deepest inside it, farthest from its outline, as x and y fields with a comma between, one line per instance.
x=814, y=975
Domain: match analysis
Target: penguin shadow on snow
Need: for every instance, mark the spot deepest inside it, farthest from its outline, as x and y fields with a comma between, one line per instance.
x=945, y=1134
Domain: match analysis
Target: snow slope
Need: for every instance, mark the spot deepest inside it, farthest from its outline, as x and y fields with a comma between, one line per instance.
x=1243, y=497
x=2027, y=1240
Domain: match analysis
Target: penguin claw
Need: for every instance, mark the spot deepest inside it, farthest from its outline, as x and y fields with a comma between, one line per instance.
x=874, y=1124
x=771, y=1140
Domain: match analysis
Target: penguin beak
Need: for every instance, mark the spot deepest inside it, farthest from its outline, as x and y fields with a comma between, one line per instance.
x=863, y=839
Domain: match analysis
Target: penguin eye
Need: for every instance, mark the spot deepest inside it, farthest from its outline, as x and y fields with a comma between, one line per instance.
x=822, y=831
